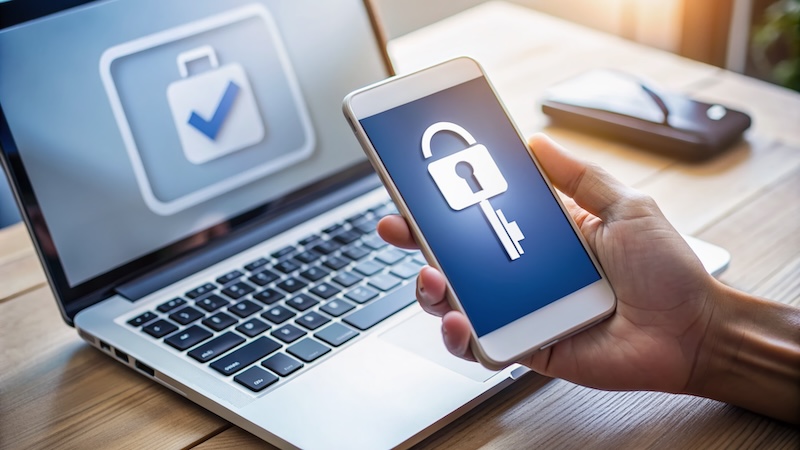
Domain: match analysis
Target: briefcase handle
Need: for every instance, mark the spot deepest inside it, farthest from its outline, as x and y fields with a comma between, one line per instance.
x=194, y=54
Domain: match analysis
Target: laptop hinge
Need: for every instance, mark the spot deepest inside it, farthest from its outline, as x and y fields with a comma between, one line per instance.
x=173, y=272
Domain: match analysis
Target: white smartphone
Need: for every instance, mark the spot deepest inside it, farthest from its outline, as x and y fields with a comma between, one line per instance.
x=481, y=209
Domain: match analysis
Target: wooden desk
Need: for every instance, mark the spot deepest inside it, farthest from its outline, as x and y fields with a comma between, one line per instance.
x=56, y=391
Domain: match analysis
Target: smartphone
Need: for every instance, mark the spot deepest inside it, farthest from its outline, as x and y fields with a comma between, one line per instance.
x=481, y=209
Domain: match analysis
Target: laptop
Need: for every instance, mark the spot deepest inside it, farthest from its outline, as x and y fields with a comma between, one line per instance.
x=205, y=216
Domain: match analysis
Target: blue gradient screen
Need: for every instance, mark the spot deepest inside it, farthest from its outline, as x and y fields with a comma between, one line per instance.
x=493, y=289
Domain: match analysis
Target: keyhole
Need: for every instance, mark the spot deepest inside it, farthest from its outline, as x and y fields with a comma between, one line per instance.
x=467, y=172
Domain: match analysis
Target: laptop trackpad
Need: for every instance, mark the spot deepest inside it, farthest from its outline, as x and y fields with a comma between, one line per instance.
x=421, y=335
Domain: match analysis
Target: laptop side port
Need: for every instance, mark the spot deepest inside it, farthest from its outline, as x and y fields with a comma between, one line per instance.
x=87, y=337
x=145, y=368
x=121, y=355
x=105, y=346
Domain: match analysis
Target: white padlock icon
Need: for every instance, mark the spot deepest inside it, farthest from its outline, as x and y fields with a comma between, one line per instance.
x=215, y=112
x=467, y=177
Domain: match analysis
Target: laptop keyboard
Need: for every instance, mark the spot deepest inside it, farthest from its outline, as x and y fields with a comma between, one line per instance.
x=268, y=319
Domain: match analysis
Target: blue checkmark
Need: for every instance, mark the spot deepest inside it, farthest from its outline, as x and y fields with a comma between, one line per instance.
x=211, y=127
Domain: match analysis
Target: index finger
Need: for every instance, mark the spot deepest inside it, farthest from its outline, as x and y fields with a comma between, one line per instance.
x=394, y=230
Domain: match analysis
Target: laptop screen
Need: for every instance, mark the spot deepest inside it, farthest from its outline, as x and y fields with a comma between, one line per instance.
x=139, y=125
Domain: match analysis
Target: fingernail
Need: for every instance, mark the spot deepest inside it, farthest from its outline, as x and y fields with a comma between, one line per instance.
x=447, y=340
x=423, y=294
x=452, y=347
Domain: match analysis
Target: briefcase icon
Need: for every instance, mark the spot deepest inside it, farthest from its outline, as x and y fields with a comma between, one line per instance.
x=215, y=112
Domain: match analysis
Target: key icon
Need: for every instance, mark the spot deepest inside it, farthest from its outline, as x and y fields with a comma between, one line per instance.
x=471, y=177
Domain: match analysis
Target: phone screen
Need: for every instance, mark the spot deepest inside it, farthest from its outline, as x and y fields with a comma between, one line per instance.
x=442, y=193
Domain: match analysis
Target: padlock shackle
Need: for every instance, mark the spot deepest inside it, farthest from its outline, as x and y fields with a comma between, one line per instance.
x=443, y=126
x=206, y=51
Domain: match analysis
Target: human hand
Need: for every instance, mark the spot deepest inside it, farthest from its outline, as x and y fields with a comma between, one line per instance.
x=664, y=295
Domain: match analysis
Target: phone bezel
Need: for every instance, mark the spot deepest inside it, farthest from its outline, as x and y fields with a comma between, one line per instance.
x=541, y=328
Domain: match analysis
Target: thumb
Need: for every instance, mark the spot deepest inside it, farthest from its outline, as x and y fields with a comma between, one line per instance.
x=592, y=188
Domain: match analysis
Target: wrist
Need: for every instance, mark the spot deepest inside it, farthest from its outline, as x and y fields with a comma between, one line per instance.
x=750, y=355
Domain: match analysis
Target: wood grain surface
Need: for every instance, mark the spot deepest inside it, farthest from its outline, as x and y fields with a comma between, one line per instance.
x=20, y=270
x=57, y=392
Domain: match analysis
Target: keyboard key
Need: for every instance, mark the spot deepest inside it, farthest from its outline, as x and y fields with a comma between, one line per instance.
x=200, y=291
x=286, y=266
x=301, y=302
x=255, y=379
x=369, y=267
x=356, y=252
x=260, y=262
x=244, y=308
x=278, y=314
x=188, y=337
x=336, y=262
x=370, y=315
x=308, y=350
x=382, y=210
x=159, y=328
x=268, y=296
x=219, y=321
x=405, y=270
x=282, y=364
x=243, y=357
x=291, y=285
x=229, y=277
x=336, y=334
x=312, y=320
x=374, y=241
x=337, y=307
x=238, y=290
x=253, y=327
x=327, y=247
x=356, y=217
x=324, y=290
x=384, y=281
x=314, y=273
x=142, y=319
x=283, y=252
x=264, y=277
x=216, y=347
x=172, y=304
x=288, y=333
x=419, y=259
x=186, y=315
x=212, y=303
x=347, y=237
x=333, y=228
x=361, y=294
x=347, y=279
x=309, y=239
x=366, y=226
x=307, y=256
x=390, y=256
